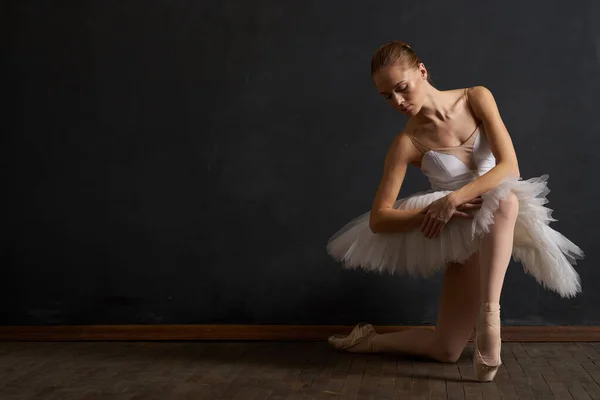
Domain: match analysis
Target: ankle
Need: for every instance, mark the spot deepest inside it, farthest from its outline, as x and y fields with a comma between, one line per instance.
x=489, y=317
x=489, y=307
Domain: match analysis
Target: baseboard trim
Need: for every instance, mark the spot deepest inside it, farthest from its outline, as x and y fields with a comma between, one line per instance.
x=262, y=332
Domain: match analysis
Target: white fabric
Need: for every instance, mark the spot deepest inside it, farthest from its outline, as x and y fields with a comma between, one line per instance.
x=545, y=254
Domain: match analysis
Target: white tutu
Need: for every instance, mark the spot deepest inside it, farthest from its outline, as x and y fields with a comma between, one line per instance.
x=545, y=254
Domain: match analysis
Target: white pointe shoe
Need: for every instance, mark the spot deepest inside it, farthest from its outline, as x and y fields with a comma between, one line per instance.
x=361, y=331
x=483, y=371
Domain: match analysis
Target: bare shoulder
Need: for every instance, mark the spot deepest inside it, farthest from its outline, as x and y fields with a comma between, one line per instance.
x=485, y=107
x=399, y=155
x=402, y=140
x=402, y=150
x=478, y=92
x=482, y=100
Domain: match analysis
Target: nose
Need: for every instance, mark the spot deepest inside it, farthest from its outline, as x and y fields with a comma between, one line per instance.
x=398, y=100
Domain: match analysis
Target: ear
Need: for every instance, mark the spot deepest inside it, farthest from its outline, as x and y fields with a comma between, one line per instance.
x=423, y=71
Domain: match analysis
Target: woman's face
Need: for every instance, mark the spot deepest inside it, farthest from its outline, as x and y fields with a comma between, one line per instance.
x=404, y=88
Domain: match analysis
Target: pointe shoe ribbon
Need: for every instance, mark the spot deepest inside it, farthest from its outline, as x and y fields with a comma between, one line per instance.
x=358, y=334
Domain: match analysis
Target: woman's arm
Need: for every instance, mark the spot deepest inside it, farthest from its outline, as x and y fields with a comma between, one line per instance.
x=383, y=217
x=484, y=106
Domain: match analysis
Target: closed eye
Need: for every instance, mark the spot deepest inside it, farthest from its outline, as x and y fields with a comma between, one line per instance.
x=401, y=89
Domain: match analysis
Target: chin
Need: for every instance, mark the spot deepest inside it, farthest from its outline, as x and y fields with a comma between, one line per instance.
x=413, y=111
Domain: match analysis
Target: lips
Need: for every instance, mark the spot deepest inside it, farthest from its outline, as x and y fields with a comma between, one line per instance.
x=406, y=109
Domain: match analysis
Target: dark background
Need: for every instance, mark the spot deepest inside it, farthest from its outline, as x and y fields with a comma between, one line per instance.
x=186, y=161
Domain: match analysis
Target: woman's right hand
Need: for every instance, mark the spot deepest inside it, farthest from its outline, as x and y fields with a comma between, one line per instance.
x=441, y=211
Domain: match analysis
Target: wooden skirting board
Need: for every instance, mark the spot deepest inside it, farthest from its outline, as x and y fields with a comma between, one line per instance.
x=263, y=332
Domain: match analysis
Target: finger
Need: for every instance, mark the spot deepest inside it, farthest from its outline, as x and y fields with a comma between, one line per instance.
x=428, y=226
x=463, y=214
x=438, y=229
x=469, y=206
x=433, y=229
x=442, y=226
x=424, y=223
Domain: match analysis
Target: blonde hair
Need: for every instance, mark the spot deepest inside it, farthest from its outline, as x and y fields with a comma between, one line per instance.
x=392, y=52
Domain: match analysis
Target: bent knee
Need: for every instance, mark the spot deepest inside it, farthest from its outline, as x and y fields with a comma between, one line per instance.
x=509, y=207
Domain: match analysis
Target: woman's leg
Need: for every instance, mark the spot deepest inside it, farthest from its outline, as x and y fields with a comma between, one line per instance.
x=495, y=253
x=457, y=315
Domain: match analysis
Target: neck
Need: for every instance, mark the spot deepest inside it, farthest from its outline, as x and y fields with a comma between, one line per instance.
x=436, y=106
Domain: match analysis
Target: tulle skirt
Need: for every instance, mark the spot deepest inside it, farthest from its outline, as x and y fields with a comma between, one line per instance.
x=545, y=254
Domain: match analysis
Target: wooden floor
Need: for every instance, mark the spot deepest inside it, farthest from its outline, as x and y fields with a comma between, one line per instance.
x=284, y=370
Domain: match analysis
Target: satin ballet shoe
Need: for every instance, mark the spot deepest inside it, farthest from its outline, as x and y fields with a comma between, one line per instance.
x=361, y=331
x=485, y=372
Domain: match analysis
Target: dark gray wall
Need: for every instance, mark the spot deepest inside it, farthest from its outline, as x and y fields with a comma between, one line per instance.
x=186, y=162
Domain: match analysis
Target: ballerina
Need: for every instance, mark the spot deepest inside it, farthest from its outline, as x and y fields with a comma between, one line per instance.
x=478, y=213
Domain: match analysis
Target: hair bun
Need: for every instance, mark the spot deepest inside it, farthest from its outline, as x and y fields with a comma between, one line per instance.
x=401, y=43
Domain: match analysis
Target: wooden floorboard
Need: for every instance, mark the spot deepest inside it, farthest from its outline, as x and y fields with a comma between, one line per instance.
x=286, y=370
x=264, y=332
